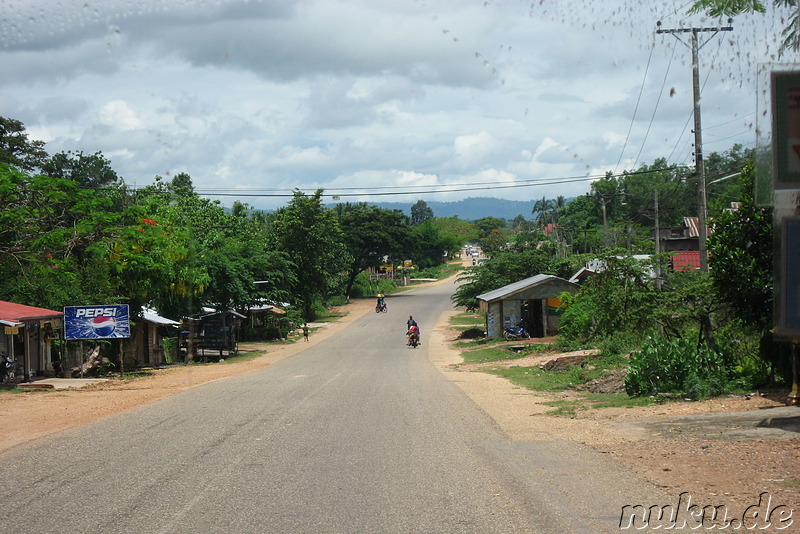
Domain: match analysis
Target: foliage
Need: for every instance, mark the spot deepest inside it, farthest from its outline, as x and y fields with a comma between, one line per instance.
x=313, y=240
x=731, y=8
x=505, y=268
x=421, y=212
x=687, y=304
x=372, y=235
x=454, y=232
x=432, y=246
x=676, y=366
x=87, y=170
x=15, y=148
x=740, y=258
x=620, y=298
x=364, y=287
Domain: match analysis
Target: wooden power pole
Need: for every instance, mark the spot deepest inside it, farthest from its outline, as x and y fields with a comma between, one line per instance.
x=699, y=166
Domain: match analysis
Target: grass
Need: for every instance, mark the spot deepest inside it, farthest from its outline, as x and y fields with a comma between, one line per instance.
x=331, y=317
x=591, y=401
x=553, y=381
x=538, y=379
x=488, y=354
x=467, y=318
x=132, y=375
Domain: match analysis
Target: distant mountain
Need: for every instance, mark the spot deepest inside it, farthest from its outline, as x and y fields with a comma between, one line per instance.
x=469, y=209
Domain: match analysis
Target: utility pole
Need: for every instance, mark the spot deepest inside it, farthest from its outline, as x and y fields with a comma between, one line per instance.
x=699, y=166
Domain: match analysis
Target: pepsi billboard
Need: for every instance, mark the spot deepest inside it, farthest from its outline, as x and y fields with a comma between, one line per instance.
x=97, y=322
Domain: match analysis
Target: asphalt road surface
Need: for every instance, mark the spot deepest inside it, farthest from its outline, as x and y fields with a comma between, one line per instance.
x=358, y=434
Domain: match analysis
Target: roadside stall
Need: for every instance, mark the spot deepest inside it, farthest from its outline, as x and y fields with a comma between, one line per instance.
x=28, y=332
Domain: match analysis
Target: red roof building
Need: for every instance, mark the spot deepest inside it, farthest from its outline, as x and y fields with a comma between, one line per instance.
x=27, y=332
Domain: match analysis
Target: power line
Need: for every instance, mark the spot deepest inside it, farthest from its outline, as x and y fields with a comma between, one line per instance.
x=635, y=109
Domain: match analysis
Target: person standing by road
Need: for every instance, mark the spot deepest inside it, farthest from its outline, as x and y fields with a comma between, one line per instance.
x=305, y=331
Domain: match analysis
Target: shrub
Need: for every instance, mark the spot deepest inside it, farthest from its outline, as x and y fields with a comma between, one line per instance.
x=364, y=287
x=676, y=366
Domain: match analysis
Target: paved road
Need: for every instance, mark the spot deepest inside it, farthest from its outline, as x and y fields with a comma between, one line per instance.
x=359, y=434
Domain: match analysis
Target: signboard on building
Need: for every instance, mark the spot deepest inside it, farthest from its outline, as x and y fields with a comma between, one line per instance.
x=790, y=278
x=97, y=322
x=786, y=129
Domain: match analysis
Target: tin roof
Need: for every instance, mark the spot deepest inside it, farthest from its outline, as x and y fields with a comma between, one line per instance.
x=152, y=317
x=685, y=260
x=556, y=285
x=11, y=312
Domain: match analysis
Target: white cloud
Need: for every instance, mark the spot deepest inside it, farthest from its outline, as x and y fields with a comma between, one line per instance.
x=326, y=93
x=117, y=114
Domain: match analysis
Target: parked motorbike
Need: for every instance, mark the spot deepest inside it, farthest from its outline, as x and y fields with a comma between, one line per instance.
x=515, y=332
x=7, y=369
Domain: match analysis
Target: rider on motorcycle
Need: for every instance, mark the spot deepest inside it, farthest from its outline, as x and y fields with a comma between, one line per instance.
x=413, y=334
x=381, y=304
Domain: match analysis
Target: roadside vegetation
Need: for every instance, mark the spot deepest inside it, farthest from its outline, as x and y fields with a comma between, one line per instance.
x=74, y=233
x=661, y=333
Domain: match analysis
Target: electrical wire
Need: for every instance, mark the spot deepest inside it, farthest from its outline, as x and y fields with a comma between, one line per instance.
x=655, y=109
x=636, y=108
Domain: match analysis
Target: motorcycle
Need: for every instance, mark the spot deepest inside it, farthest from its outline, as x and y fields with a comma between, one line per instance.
x=381, y=308
x=7, y=370
x=515, y=332
x=413, y=340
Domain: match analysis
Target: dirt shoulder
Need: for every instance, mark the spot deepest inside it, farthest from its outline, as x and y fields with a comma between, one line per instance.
x=709, y=449
x=31, y=415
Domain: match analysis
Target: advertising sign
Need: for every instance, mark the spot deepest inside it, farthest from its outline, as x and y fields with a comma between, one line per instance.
x=786, y=129
x=790, y=278
x=97, y=322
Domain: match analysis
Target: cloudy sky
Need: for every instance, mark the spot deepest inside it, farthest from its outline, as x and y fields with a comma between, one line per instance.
x=378, y=100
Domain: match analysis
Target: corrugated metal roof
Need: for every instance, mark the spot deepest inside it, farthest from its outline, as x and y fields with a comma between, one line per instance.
x=685, y=260
x=693, y=224
x=522, y=285
x=13, y=312
x=152, y=317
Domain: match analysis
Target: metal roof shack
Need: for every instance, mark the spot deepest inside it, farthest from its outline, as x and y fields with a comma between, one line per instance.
x=28, y=331
x=532, y=303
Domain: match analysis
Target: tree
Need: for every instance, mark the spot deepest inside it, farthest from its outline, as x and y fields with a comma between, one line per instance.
x=182, y=184
x=313, y=240
x=16, y=149
x=731, y=8
x=618, y=300
x=454, y=232
x=492, y=234
x=740, y=258
x=505, y=268
x=541, y=210
x=370, y=234
x=420, y=212
x=87, y=170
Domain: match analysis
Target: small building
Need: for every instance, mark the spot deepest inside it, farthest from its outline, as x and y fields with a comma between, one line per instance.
x=211, y=330
x=150, y=346
x=27, y=335
x=264, y=320
x=532, y=303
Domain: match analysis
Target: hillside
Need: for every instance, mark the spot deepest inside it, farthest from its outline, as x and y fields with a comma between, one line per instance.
x=470, y=209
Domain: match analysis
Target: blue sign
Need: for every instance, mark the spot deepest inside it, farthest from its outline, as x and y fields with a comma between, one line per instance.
x=790, y=283
x=97, y=322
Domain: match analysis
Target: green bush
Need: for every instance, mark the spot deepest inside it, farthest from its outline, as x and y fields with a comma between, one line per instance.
x=170, y=346
x=676, y=366
x=364, y=287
